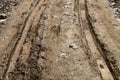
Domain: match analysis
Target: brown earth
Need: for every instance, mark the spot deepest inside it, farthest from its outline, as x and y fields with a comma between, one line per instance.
x=59, y=40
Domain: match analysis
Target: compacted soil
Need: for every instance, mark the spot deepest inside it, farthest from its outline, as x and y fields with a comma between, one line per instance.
x=59, y=40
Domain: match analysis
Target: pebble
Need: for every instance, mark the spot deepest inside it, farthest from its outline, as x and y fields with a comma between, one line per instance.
x=3, y=18
x=113, y=3
x=118, y=20
x=63, y=56
x=74, y=46
x=68, y=5
x=3, y=21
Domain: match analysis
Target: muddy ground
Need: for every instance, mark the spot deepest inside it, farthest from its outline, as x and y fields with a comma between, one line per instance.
x=59, y=40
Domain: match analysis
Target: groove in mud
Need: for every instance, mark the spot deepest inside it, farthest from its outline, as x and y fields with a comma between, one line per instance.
x=111, y=64
x=82, y=34
x=29, y=69
x=15, y=40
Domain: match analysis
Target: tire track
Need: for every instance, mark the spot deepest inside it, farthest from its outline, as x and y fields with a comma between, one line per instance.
x=96, y=54
x=28, y=23
x=110, y=61
x=5, y=60
x=26, y=66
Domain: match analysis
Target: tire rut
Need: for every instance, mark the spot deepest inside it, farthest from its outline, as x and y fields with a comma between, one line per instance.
x=5, y=60
x=96, y=52
x=18, y=48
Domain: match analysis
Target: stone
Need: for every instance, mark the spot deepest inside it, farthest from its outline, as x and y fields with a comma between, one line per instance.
x=3, y=18
x=2, y=21
x=74, y=46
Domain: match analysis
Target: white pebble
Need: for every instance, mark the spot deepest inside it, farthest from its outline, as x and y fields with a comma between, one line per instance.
x=74, y=46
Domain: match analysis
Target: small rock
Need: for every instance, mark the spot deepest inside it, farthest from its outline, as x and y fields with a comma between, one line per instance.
x=63, y=56
x=74, y=46
x=113, y=3
x=3, y=21
x=62, y=22
x=118, y=20
x=3, y=18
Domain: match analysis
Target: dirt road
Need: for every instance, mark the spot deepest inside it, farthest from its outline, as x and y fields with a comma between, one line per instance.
x=56, y=40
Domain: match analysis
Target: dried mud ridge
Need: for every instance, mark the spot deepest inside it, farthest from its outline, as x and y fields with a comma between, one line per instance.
x=20, y=61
